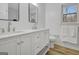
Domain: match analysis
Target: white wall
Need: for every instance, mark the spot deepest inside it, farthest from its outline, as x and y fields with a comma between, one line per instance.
x=23, y=23
x=53, y=18
x=3, y=11
x=41, y=15
x=69, y=33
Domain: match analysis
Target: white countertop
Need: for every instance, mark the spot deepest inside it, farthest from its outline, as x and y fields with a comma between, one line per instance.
x=10, y=34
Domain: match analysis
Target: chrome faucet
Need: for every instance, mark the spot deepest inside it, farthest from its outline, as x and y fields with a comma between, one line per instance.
x=9, y=25
x=34, y=26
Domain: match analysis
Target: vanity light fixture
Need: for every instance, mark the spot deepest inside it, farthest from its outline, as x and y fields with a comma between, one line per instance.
x=35, y=4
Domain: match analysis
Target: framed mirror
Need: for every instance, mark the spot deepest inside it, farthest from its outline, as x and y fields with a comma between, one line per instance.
x=9, y=11
x=33, y=13
x=13, y=11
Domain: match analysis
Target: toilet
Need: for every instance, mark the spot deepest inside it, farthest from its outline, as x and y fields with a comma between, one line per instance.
x=52, y=41
x=55, y=39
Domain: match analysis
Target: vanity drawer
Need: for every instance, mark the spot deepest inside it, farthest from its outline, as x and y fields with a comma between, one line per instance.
x=7, y=40
x=37, y=50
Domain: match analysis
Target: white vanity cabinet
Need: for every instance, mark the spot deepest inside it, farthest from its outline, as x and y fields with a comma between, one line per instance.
x=39, y=41
x=25, y=44
x=8, y=46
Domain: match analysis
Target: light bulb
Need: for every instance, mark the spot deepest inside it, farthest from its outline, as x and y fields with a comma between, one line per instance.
x=35, y=4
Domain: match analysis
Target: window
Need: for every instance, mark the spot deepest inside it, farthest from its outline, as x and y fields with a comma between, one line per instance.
x=70, y=9
x=69, y=13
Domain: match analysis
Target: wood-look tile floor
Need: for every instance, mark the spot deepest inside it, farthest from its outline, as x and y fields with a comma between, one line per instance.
x=60, y=50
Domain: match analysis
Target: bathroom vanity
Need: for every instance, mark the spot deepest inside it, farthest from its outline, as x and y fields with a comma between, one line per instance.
x=26, y=42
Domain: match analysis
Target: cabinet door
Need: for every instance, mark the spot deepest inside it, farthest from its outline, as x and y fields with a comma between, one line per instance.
x=36, y=43
x=26, y=44
x=44, y=39
x=46, y=36
x=8, y=46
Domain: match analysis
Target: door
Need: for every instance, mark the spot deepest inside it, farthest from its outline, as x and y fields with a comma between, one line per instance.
x=8, y=46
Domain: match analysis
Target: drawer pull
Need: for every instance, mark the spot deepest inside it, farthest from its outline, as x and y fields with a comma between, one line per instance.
x=18, y=43
x=22, y=42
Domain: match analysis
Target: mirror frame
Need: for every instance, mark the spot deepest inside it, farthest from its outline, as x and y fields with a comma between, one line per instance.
x=29, y=14
x=18, y=14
